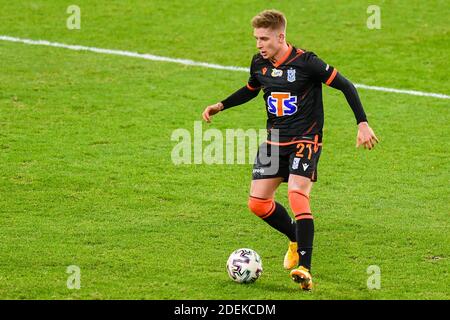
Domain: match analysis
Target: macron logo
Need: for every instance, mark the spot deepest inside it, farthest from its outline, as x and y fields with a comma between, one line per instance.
x=305, y=166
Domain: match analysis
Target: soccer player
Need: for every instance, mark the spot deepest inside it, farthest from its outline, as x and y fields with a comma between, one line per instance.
x=291, y=80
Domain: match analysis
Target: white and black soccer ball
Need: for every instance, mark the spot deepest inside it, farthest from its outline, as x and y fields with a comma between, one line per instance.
x=244, y=266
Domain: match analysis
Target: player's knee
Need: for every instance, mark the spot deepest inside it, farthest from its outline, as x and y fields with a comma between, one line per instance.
x=299, y=202
x=263, y=208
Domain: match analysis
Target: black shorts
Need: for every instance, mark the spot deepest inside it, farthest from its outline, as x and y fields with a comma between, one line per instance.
x=299, y=157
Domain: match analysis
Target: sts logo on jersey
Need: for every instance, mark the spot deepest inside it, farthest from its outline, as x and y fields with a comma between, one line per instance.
x=281, y=104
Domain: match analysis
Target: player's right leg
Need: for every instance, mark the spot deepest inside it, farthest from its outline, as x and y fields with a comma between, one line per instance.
x=261, y=203
x=270, y=169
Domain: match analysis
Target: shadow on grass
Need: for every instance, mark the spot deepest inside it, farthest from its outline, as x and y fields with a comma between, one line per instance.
x=293, y=289
x=262, y=287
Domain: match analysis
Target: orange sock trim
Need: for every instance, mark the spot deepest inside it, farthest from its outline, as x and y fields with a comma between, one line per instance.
x=263, y=208
x=299, y=202
x=301, y=216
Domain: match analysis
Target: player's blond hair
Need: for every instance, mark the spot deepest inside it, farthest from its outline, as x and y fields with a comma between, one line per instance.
x=271, y=19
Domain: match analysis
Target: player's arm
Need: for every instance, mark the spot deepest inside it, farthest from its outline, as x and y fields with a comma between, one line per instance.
x=241, y=96
x=327, y=74
x=365, y=136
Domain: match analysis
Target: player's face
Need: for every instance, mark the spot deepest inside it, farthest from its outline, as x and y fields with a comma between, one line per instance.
x=268, y=41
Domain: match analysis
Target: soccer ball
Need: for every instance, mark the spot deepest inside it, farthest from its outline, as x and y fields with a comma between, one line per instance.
x=244, y=266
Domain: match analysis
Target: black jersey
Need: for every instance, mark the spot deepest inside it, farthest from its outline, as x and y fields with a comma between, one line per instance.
x=292, y=93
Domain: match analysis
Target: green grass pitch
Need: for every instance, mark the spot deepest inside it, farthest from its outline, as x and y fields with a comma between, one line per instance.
x=86, y=176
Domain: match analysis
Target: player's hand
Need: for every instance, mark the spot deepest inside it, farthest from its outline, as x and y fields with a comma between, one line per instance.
x=365, y=136
x=211, y=110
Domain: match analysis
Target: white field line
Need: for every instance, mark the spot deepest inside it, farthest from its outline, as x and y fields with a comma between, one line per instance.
x=194, y=63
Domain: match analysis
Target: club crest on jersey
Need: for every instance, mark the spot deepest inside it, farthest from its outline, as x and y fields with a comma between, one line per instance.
x=281, y=104
x=276, y=73
x=291, y=75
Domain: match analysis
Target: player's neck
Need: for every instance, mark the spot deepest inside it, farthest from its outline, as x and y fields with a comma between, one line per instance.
x=281, y=53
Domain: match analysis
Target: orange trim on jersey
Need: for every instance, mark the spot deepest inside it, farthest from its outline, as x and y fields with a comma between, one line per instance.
x=251, y=88
x=331, y=78
x=306, y=92
x=283, y=58
x=291, y=142
x=299, y=53
x=310, y=128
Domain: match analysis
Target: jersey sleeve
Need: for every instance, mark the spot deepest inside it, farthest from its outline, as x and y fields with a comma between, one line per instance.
x=253, y=83
x=319, y=70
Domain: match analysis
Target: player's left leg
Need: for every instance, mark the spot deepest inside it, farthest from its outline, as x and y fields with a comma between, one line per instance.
x=299, y=188
x=303, y=172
